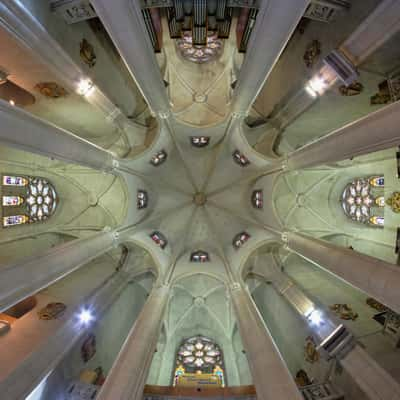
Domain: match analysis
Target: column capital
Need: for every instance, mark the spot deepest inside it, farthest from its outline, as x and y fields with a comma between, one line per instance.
x=164, y=114
x=116, y=238
x=240, y=114
x=235, y=286
x=115, y=164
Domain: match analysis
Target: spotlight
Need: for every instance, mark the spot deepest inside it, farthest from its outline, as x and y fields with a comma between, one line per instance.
x=316, y=86
x=310, y=91
x=12, y=102
x=85, y=87
x=315, y=317
x=85, y=316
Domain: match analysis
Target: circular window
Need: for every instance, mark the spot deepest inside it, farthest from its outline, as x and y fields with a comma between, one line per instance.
x=200, y=54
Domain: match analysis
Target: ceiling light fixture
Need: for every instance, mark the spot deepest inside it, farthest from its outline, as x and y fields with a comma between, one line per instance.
x=85, y=87
x=85, y=316
x=316, y=86
x=315, y=317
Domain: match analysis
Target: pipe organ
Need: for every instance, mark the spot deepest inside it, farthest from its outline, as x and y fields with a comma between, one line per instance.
x=198, y=18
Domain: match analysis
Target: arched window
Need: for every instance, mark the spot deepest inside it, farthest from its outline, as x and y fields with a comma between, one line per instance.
x=199, y=358
x=200, y=141
x=199, y=256
x=363, y=201
x=158, y=158
x=159, y=238
x=142, y=199
x=27, y=200
x=240, y=239
x=240, y=158
x=257, y=199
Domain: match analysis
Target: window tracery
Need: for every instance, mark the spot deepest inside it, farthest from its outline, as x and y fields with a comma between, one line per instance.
x=199, y=355
x=158, y=238
x=257, y=199
x=240, y=239
x=142, y=199
x=27, y=200
x=158, y=158
x=240, y=158
x=200, y=141
x=200, y=53
x=362, y=200
x=199, y=256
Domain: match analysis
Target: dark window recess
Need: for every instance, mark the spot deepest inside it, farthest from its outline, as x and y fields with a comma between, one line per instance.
x=240, y=158
x=159, y=239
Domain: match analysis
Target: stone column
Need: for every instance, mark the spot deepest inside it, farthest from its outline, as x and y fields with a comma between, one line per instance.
x=270, y=375
x=124, y=22
x=377, y=131
x=374, y=381
x=128, y=374
x=276, y=21
x=23, y=131
x=17, y=19
x=335, y=340
x=366, y=39
x=27, y=276
x=47, y=354
x=375, y=277
x=369, y=35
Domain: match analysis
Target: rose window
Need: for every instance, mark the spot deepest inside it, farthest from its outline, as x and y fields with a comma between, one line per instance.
x=41, y=199
x=200, y=54
x=199, y=354
x=361, y=200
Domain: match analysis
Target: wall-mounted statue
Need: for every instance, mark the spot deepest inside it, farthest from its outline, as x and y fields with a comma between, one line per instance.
x=353, y=89
x=87, y=53
x=394, y=202
x=51, y=90
x=88, y=348
x=383, y=95
x=52, y=311
x=344, y=311
x=310, y=350
x=312, y=53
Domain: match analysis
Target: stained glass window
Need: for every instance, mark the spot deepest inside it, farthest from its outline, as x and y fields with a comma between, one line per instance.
x=27, y=200
x=200, y=141
x=14, y=180
x=199, y=256
x=159, y=239
x=240, y=158
x=12, y=220
x=200, y=54
x=158, y=158
x=363, y=201
x=142, y=199
x=257, y=199
x=12, y=201
x=240, y=239
x=201, y=357
x=41, y=199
